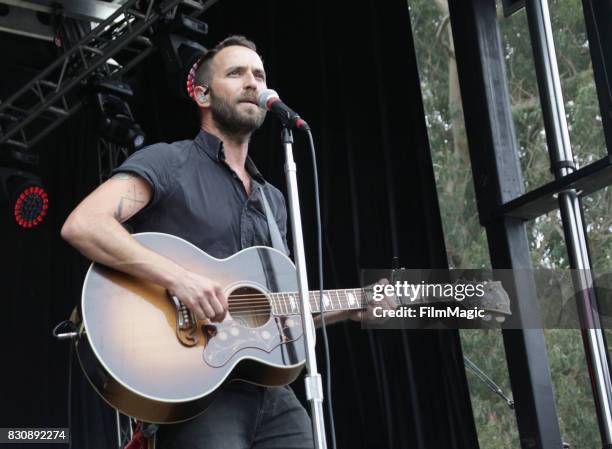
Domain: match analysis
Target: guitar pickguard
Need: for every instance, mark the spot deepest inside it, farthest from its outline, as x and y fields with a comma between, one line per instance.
x=230, y=339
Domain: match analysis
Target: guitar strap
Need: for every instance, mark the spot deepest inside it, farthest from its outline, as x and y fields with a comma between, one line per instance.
x=275, y=235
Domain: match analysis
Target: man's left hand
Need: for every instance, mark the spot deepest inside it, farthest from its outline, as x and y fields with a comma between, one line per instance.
x=367, y=315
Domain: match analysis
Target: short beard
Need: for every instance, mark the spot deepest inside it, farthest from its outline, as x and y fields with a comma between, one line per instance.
x=230, y=121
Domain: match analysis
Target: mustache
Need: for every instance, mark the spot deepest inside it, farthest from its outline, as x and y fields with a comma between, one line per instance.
x=248, y=98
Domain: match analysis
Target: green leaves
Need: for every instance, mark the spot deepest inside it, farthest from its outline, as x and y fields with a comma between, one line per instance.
x=464, y=237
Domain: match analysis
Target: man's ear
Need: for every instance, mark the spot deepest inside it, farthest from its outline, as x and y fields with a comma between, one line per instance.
x=201, y=96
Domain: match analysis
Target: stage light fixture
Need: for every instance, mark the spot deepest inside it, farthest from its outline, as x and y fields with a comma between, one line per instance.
x=22, y=155
x=24, y=193
x=117, y=123
x=179, y=49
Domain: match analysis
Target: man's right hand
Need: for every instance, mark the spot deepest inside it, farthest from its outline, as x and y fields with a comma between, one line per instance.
x=95, y=229
x=201, y=295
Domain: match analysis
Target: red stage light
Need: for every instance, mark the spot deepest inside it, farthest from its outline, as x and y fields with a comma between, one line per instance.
x=31, y=206
x=24, y=193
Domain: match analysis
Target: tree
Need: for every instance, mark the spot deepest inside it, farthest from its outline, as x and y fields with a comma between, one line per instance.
x=464, y=237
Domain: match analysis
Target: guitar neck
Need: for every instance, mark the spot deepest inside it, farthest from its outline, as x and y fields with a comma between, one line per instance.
x=287, y=303
x=489, y=296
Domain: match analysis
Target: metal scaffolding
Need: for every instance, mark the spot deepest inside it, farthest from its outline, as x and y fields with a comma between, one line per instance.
x=52, y=97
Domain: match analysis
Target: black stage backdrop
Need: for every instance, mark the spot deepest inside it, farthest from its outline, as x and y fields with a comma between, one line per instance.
x=349, y=68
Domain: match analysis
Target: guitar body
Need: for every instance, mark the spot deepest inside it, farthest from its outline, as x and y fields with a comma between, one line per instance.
x=144, y=362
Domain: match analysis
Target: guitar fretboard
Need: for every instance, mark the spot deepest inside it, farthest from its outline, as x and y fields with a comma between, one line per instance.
x=287, y=303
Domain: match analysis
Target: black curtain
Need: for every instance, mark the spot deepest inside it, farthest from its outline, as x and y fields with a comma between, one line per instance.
x=349, y=69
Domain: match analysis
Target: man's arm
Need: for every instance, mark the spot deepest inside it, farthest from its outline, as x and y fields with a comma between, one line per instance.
x=333, y=317
x=94, y=228
x=362, y=315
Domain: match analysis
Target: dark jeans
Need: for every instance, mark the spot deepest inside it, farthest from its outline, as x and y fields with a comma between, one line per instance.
x=244, y=416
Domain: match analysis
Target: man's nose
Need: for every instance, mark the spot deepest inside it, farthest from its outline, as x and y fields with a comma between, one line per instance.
x=250, y=82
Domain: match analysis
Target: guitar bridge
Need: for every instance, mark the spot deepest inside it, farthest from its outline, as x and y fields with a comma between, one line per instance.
x=185, y=323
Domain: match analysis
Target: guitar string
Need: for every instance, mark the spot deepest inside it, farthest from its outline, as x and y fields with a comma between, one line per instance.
x=244, y=307
x=261, y=314
x=265, y=300
x=282, y=302
x=258, y=313
x=278, y=312
x=260, y=295
x=251, y=313
x=265, y=304
x=254, y=304
x=277, y=301
x=262, y=307
x=242, y=303
x=258, y=306
x=268, y=311
x=285, y=303
x=262, y=298
x=343, y=292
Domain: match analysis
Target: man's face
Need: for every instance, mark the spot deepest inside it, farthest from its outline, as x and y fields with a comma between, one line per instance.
x=237, y=77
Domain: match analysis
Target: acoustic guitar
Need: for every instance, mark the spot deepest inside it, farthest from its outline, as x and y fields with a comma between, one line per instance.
x=146, y=355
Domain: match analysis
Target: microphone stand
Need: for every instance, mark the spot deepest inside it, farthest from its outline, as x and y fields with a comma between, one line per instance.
x=312, y=380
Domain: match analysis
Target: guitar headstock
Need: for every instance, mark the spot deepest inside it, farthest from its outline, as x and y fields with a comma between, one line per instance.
x=468, y=301
x=494, y=301
x=431, y=295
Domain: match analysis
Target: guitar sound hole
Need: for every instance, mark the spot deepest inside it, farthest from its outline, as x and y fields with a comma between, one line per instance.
x=249, y=307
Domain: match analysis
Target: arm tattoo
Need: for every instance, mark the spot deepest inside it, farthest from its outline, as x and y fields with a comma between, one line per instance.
x=129, y=202
x=122, y=176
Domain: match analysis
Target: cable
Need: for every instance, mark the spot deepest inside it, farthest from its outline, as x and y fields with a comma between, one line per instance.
x=330, y=408
x=70, y=355
x=69, y=334
x=487, y=381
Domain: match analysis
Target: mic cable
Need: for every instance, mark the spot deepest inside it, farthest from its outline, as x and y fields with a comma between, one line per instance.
x=330, y=408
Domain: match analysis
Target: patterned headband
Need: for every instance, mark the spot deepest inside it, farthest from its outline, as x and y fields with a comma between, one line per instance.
x=191, y=81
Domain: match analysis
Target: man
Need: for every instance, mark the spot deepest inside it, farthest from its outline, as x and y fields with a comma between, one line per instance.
x=208, y=192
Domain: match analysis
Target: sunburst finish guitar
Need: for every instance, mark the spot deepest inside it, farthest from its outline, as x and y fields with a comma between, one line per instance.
x=146, y=355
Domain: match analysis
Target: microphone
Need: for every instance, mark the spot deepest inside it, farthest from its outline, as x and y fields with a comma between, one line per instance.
x=270, y=101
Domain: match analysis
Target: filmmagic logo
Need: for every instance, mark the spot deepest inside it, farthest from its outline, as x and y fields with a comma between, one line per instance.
x=429, y=312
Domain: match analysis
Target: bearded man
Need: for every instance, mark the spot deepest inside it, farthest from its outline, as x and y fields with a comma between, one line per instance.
x=208, y=192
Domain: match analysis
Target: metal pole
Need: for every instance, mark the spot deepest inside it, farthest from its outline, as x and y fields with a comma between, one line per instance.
x=314, y=386
x=118, y=422
x=560, y=151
